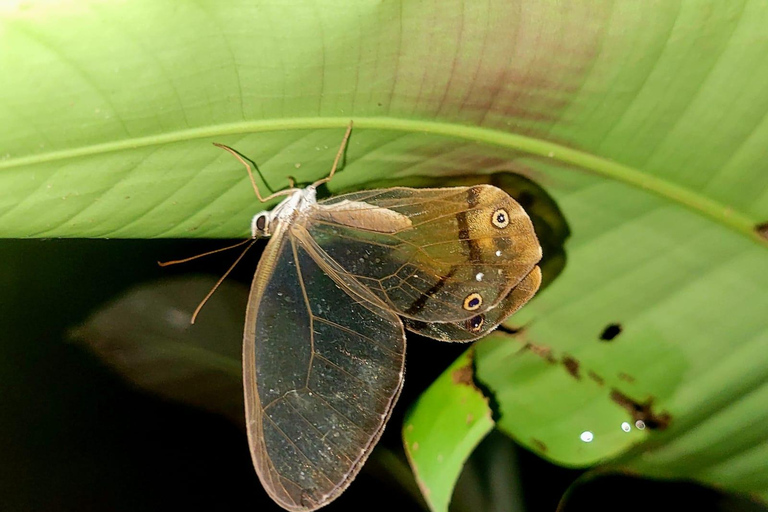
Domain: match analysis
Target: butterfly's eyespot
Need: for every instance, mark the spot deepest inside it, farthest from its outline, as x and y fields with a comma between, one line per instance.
x=475, y=324
x=500, y=218
x=473, y=301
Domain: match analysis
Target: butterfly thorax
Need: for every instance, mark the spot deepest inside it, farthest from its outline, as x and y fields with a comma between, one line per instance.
x=263, y=224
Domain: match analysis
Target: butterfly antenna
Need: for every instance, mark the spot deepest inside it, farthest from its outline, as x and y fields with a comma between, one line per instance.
x=221, y=280
x=250, y=175
x=339, y=154
x=176, y=262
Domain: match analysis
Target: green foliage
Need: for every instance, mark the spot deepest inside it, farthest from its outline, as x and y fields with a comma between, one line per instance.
x=646, y=122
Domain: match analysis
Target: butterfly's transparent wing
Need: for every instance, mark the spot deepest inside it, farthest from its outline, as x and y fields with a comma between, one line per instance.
x=479, y=325
x=322, y=371
x=432, y=255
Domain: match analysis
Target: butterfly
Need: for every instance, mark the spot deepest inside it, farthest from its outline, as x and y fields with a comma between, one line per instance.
x=339, y=282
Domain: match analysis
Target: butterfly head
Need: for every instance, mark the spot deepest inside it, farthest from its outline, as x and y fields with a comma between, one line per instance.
x=263, y=224
x=260, y=225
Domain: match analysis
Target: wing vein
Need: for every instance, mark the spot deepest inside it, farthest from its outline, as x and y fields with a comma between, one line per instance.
x=309, y=311
x=352, y=331
x=309, y=461
x=358, y=427
x=372, y=390
x=322, y=436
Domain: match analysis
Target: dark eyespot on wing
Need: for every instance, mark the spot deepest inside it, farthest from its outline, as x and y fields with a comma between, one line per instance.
x=475, y=323
x=473, y=301
x=500, y=218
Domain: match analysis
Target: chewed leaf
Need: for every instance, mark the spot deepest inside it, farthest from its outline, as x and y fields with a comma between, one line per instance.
x=556, y=406
x=146, y=337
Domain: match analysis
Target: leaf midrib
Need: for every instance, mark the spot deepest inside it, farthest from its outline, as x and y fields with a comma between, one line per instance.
x=667, y=190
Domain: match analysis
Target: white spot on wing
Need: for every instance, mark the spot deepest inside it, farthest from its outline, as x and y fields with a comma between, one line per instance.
x=479, y=276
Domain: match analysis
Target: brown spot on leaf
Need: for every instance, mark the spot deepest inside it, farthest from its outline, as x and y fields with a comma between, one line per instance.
x=542, y=351
x=595, y=377
x=626, y=377
x=463, y=375
x=642, y=411
x=470, y=419
x=539, y=444
x=762, y=230
x=572, y=366
x=610, y=332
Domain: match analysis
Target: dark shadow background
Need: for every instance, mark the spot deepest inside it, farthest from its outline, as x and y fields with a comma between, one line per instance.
x=74, y=436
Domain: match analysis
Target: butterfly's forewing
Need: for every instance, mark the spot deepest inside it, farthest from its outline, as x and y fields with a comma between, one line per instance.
x=432, y=255
x=322, y=370
x=479, y=325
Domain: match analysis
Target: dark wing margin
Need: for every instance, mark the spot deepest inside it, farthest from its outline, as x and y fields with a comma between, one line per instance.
x=322, y=371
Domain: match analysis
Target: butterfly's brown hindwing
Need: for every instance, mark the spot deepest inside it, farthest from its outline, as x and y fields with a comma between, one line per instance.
x=454, y=253
x=479, y=325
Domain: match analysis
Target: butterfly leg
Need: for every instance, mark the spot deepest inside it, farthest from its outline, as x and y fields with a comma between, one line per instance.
x=250, y=175
x=339, y=154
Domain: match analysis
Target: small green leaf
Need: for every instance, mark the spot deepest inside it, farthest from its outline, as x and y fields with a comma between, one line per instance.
x=442, y=429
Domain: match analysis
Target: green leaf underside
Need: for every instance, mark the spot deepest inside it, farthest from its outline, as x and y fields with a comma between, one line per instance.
x=68, y=185
x=645, y=121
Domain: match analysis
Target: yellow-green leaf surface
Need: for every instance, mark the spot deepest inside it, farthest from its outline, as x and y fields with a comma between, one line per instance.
x=445, y=425
x=646, y=121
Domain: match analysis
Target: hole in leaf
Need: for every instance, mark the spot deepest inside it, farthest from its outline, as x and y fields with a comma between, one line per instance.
x=610, y=332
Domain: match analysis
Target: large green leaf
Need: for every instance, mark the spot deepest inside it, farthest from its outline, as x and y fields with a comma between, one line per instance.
x=108, y=108
x=646, y=121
